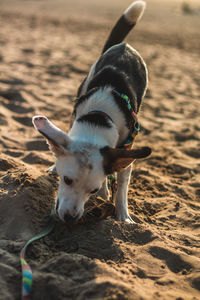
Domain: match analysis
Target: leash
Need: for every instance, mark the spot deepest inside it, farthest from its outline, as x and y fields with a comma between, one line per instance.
x=27, y=274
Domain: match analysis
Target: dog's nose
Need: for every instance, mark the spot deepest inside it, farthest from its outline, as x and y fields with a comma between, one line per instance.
x=68, y=217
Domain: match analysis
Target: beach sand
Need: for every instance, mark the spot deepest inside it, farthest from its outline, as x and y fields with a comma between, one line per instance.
x=46, y=49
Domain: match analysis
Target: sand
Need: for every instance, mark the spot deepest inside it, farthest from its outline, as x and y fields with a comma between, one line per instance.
x=46, y=49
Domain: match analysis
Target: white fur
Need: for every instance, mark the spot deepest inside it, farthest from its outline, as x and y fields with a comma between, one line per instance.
x=72, y=198
x=42, y=124
x=84, y=132
x=121, y=200
x=135, y=11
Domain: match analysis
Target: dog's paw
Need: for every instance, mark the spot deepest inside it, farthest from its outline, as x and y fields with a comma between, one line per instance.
x=124, y=217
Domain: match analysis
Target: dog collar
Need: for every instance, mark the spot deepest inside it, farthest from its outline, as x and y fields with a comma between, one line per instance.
x=129, y=141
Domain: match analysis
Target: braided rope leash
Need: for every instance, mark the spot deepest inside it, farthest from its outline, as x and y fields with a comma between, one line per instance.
x=27, y=274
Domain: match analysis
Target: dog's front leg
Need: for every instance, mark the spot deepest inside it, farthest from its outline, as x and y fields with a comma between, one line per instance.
x=104, y=192
x=121, y=201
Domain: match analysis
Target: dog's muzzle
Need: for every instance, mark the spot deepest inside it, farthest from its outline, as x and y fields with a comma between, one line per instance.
x=66, y=216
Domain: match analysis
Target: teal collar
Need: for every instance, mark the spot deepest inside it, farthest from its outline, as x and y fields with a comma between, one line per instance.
x=129, y=141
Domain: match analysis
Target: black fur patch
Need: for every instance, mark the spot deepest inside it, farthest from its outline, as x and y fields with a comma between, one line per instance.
x=96, y=118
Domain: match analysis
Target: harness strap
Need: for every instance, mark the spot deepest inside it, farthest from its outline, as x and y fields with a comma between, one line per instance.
x=129, y=142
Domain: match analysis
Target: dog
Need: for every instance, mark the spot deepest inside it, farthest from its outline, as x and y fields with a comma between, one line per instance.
x=105, y=122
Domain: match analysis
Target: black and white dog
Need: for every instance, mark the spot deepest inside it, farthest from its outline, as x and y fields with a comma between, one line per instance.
x=105, y=121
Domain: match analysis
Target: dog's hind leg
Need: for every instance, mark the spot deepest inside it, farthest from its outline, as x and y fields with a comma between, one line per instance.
x=121, y=200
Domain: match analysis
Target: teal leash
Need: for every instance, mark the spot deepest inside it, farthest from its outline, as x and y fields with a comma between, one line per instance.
x=27, y=274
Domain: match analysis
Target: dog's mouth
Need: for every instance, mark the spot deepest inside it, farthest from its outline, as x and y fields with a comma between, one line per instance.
x=66, y=218
x=69, y=219
x=98, y=210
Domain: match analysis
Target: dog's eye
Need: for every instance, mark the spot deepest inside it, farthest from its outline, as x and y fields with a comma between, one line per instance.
x=67, y=180
x=94, y=191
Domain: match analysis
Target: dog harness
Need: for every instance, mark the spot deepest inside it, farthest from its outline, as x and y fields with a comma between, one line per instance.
x=128, y=144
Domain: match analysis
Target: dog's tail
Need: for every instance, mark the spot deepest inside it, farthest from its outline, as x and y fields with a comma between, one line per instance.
x=125, y=23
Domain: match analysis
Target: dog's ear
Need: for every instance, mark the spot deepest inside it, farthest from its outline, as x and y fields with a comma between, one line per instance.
x=57, y=139
x=115, y=160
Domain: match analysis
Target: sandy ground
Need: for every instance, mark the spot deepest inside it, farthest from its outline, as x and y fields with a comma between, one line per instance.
x=46, y=49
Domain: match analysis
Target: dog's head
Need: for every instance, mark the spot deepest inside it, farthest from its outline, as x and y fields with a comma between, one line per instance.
x=82, y=167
